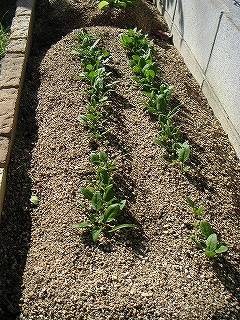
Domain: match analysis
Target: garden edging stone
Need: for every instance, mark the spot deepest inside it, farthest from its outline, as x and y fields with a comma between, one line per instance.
x=12, y=74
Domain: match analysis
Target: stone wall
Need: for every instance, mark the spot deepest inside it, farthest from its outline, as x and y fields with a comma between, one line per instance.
x=13, y=68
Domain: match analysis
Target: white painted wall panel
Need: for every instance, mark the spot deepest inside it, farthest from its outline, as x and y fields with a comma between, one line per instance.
x=207, y=34
x=198, y=24
x=223, y=72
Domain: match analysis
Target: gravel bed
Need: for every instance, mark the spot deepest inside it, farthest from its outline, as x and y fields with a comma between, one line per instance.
x=50, y=271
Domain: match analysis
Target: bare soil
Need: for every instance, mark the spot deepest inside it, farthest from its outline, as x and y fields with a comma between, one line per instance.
x=48, y=270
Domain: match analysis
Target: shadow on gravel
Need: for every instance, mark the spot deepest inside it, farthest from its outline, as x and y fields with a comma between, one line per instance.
x=7, y=9
x=134, y=238
x=230, y=278
x=16, y=220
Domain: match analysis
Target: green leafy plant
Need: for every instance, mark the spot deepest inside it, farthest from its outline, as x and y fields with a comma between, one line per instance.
x=104, y=208
x=169, y=139
x=4, y=38
x=183, y=153
x=89, y=51
x=34, y=199
x=196, y=210
x=203, y=236
x=158, y=103
x=94, y=60
x=106, y=4
x=98, y=92
x=207, y=241
x=140, y=51
x=98, y=82
x=136, y=43
x=177, y=152
x=93, y=120
x=145, y=68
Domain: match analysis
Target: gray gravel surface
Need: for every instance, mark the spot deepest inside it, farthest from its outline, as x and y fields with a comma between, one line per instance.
x=48, y=270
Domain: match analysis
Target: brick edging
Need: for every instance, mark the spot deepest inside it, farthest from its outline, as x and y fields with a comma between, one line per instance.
x=13, y=68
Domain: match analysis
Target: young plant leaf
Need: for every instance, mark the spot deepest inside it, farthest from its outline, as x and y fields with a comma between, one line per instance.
x=104, y=176
x=221, y=249
x=122, y=204
x=205, y=228
x=111, y=212
x=103, y=157
x=103, y=4
x=183, y=152
x=97, y=201
x=108, y=193
x=92, y=218
x=34, y=199
x=87, y=193
x=121, y=226
x=211, y=242
x=210, y=254
x=190, y=202
x=82, y=225
x=199, y=210
x=94, y=158
x=95, y=233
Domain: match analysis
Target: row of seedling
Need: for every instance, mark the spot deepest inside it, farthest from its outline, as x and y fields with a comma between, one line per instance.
x=141, y=52
x=95, y=62
x=100, y=202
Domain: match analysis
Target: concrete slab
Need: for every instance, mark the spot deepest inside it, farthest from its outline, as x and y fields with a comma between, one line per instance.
x=12, y=69
x=20, y=27
x=4, y=151
x=7, y=117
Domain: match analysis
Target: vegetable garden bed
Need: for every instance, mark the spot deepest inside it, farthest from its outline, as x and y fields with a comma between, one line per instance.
x=51, y=271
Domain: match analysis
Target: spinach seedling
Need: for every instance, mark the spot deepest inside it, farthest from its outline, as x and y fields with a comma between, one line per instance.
x=104, y=207
x=136, y=43
x=159, y=101
x=106, y=4
x=203, y=236
x=196, y=210
x=207, y=241
x=94, y=60
x=145, y=68
x=169, y=139
x=183, y=152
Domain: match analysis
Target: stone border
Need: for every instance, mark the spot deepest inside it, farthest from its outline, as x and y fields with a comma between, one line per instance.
x=12, y=75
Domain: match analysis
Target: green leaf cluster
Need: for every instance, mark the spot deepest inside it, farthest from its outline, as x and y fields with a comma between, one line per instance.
x=104, y=207
x=136, y=43
x=106, y=4
x=204, y=236
x=95, y=62
x=4, y=38
x=159, y=95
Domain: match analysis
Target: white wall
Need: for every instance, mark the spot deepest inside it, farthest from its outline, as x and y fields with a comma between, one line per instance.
x=207, y=34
